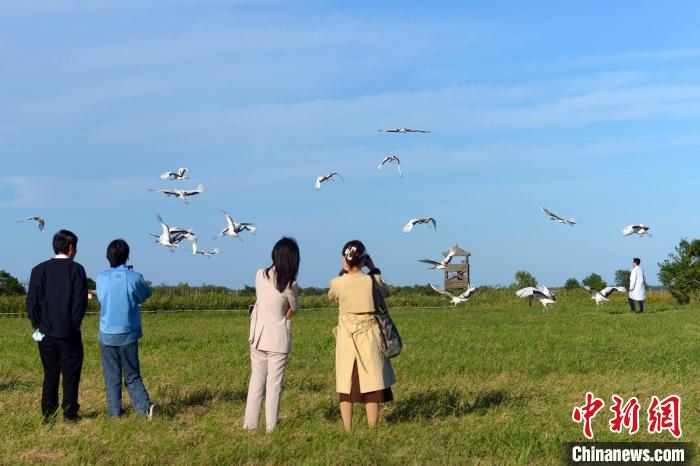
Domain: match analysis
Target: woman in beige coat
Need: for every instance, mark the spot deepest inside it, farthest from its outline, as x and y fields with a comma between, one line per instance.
x=363, y=375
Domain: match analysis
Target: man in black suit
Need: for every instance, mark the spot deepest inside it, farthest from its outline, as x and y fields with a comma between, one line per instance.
x=56, y=305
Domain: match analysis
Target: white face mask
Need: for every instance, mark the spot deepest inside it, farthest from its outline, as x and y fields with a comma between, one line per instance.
x=37, y=335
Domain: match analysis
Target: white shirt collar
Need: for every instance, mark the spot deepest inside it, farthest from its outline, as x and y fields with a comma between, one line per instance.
x=61, y=256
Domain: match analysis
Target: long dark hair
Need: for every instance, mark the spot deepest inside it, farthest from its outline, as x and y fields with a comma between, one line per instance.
x=354, y=253
x=285, y=260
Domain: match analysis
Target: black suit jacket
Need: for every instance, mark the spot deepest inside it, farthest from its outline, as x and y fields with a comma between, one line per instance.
x=57, y=298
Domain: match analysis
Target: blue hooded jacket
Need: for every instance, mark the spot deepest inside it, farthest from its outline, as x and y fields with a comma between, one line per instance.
x=121, y=293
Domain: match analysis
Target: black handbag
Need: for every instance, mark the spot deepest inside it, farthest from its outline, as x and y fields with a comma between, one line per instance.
x=391, y=340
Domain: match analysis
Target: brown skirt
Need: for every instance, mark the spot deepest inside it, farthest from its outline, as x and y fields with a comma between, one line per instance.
x=377, y=396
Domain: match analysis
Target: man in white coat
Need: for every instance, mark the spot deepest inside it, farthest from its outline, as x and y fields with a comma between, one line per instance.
x=637, y=288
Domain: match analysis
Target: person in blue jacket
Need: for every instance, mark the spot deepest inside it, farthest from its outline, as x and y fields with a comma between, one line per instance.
x=121, y=292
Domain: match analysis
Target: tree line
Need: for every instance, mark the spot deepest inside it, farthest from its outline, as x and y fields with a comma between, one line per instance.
x=679, y=274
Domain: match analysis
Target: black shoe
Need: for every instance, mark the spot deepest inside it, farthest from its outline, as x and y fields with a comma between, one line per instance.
x=71, y=419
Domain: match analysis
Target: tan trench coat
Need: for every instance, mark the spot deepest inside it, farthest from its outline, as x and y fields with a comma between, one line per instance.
x=357, y=335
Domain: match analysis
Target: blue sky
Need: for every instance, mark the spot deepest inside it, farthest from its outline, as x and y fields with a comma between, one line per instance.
x=590, y=108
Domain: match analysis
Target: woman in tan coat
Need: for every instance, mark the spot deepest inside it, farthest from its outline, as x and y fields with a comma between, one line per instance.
x=363, y=374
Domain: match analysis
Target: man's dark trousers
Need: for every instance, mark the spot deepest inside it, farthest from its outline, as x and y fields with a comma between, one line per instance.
x=61, y=357
x=641, y=305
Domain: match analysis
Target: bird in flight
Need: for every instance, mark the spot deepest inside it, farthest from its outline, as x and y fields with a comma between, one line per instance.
x=440, y=265
x=601, y=296
x=462, y=298
x=181, y=194
x=403, y=130
x=234, y=229
x=391, y=159
x=328, y=177
x=178, y=175
x=557, y=218
x=639, y=229
x=542, y=294
x=204, y=252
x=166, y=238
x=40, y=221
x=179, y=236
x=416, y=221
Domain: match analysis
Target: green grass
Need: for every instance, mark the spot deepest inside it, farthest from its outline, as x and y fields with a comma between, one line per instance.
x=490, y=383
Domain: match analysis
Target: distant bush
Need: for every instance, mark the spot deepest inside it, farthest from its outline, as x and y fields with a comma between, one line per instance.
x=524, y=279
x=9, y=285
x=572, y=284
x=204, y=299
x=594, y=281
x=622, y=277
x=680, y=273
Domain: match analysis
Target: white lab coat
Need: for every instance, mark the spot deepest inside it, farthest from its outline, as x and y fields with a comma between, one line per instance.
x=638, y=290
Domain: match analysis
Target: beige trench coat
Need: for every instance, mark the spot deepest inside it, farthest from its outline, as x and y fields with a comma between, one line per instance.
x=357, y=335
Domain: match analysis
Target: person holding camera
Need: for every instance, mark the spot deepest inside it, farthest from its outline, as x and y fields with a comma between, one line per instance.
x=121, y=291
x=363, y=374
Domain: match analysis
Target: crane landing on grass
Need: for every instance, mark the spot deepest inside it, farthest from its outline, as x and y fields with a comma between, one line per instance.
x=462, y=298
x=542, y=294
x=602, y=296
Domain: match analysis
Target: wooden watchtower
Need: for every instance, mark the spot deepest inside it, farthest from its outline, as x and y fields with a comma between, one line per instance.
x=457, y=271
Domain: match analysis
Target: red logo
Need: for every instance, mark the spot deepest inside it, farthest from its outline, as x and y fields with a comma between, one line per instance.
x=625, y=416
x=665, y=415
x=661, y=415
x=587, y=412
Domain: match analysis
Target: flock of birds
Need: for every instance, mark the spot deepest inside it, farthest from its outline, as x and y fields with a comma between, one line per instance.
x=542, y=294
x=171, y=237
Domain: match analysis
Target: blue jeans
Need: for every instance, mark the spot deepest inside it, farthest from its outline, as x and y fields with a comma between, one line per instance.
x=641, y=305
x=116, y=359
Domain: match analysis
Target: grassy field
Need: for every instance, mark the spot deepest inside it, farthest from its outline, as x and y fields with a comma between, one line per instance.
x=490, y=383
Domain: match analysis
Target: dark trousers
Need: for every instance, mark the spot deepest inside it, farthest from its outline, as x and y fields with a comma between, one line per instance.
x=61, y=357
x=641, y=305
x=115, y=361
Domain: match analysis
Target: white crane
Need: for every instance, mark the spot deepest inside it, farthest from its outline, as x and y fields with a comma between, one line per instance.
x=178, y=175
x=328, y=177
x=638, y=229
x=403, y=130
x=557, y=218
x=40, y=221
x=542, y=294
x=177, y=238
x=165, y=239
x=462, y=298
x=203, y=252
x=418, y=221
x=440, y=265
x=234, y=229
x=181, y=194
x=391, y=159
x=602, y=296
